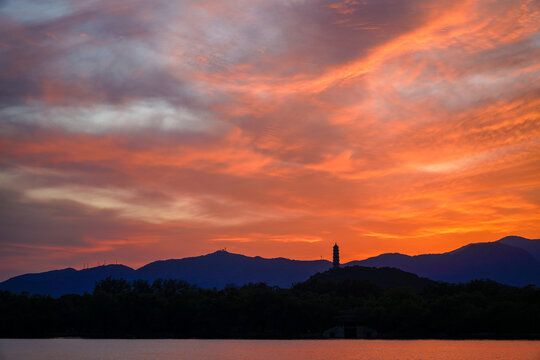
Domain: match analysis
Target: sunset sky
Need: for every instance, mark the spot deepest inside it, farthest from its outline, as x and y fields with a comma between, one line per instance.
x=136, y=130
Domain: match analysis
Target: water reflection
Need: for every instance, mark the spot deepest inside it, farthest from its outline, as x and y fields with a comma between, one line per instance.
x=79, y=349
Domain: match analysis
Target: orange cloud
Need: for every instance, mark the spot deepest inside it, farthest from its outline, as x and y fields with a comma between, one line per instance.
x=383, y=125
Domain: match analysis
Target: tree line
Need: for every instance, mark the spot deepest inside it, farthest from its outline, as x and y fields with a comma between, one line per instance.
x=175, y=309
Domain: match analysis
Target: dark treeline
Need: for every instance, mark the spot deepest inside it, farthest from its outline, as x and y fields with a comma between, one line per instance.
x=176, y=309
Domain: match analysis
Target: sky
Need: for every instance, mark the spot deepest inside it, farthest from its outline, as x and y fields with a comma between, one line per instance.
x=133, y=130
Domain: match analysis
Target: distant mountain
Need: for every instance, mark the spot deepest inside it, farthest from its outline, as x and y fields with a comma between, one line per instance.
x=66, y=281
x=512, y=260
x=531, y=246
x=217, y=269
x=507, y=264
x=222, y=268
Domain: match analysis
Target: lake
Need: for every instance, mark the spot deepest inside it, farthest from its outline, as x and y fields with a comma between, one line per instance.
x=84, y=349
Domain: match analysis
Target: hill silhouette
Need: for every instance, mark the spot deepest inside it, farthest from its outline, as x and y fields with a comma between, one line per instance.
x=361, y=281
x=217, y=269
x=531, y=246
x=66, y=281
x=222, y=268
x=496, y=261
x=510, y=261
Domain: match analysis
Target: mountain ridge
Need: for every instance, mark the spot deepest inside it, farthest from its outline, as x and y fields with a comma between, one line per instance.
x=506, y=261
x=498, y=261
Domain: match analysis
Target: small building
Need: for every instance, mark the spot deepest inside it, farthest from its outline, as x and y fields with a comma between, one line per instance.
x=349, y=327
x=350, y=332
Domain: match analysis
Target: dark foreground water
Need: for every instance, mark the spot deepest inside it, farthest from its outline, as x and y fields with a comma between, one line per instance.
x=79, y=349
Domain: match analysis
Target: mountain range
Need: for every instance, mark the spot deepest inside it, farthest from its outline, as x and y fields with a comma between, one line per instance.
x=511, y=260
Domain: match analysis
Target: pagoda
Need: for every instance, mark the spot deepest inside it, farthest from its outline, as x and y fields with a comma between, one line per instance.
x=336, y=256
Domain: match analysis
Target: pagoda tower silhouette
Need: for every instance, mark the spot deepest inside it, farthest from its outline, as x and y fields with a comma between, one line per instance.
x=336, y=256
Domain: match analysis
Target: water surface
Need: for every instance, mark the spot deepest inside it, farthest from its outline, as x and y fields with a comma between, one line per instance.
x=84, y=349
